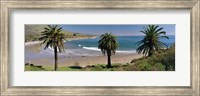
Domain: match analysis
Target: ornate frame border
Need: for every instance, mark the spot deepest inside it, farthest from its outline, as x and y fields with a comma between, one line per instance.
x=6, y=6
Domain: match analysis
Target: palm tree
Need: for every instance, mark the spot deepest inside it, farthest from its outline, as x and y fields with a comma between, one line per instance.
x=151, y=42
x=53, y=37
x=108, y=45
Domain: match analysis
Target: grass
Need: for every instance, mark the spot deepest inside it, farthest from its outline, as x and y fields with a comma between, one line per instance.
x=31, y=67
x=163, y=60
x=98, y=67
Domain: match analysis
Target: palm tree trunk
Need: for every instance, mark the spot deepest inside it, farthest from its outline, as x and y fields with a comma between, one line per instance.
x=109, y=59
x=150, y=51
x=56, y=58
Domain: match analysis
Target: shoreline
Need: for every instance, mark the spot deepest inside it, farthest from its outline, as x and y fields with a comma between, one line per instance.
x=32, y=43
x=80, y=38
x=67, y=39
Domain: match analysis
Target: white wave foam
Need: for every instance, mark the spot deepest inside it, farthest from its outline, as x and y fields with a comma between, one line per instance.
x=50, y=48
x=79, y=45
x=131, y=51
x=118, y=51
x=69, y=51
x=92, y=48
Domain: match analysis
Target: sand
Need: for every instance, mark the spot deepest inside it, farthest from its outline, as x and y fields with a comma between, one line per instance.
x=84, y=61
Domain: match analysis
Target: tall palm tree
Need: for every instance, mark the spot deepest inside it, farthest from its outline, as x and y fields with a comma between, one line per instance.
x=151, y=42
x=108, y=45
x=53, y=37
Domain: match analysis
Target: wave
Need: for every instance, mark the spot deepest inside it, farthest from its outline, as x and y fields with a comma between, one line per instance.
x=131, y=51
x=118, y=51
x=92, y=48
x=72, y=51
x=50, y=48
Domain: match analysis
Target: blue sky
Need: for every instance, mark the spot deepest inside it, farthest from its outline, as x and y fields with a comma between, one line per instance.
x=119, y=30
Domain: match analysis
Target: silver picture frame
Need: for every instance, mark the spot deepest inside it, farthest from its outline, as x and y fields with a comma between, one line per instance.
x=6, y=6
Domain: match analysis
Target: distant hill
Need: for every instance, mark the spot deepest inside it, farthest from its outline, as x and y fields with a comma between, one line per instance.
x=37, y=29
x=33, y=32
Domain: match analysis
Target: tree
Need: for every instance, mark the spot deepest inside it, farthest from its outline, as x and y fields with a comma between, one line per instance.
x=108, y=45
x=151, y=42
x=53, y=37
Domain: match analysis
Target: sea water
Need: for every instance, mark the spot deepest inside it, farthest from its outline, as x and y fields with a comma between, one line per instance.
x=127, y=44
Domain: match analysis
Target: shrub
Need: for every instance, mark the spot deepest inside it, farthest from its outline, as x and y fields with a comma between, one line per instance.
x=32, y=67
x=27, y=64
x=160, y=61
x=97, y=68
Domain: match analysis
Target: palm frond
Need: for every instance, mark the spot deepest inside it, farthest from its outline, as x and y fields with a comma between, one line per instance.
x=151, y=42
x=108, y=42
x=52, y=36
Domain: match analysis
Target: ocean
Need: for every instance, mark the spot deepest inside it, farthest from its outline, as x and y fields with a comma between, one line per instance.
x=89, y=47
x=127, y=44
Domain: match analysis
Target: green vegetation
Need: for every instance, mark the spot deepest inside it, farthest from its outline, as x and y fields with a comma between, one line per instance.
x=53, y=37
x=32, y=67
x=108, y=45
x=32, y=38
x=163, y=60
x=159, y=58
x=33, y=32
x=98, y=67
x=151, y=42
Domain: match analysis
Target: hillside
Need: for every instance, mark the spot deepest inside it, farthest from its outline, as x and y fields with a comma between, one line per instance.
x=33, y=32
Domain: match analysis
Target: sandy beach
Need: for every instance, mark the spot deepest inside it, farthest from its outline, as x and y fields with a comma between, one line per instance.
x=85, y=60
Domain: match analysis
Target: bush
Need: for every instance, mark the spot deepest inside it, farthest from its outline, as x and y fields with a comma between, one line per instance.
x=32, y=67
x=163, y=60
x=146, y=65
x=97, y=68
